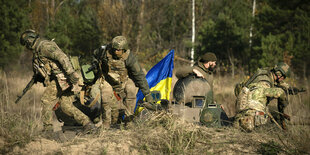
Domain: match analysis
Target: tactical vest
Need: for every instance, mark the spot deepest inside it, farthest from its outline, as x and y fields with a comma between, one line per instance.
x=115, y=71
x=260, y=75
x=243, y=89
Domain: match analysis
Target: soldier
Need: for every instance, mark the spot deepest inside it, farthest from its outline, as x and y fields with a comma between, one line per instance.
x=114, y=64
x=255, y=94
x=53, y=68
x=204, y=68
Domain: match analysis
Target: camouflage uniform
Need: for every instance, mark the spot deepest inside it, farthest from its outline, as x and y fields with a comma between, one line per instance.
x=253, y=99
x=115, y=70
x=53, y=68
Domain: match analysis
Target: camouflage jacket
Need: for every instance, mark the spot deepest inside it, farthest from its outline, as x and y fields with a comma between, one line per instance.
x=184, y=72
x=116, y=71
x=265, y=75
x=264, y=88
x=50, y=62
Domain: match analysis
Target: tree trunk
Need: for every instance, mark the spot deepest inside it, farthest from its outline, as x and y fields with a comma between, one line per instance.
x=193, y=32
x=305, y=71
x=47, y=13
x=141, y=21
x=232, y=62
x=53, y=10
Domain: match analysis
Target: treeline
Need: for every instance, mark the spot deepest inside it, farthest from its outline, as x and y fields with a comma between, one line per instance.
x=280, y=29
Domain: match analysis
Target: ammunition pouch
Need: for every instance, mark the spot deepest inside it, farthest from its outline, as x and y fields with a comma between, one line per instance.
x=42, y=72
x=75, y=63
x=242, y=99
x=62, y=81
x=260, y=118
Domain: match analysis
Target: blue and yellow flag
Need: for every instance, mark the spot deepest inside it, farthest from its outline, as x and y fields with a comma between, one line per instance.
x=159, y=78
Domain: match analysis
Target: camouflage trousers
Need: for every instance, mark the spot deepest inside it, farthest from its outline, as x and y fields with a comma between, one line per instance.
x=51, y=95
x=249, y=119
x=112, y=107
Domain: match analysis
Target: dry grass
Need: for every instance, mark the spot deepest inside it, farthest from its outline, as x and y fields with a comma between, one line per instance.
x=18, y=123
x=297, y=138
x=160, y=133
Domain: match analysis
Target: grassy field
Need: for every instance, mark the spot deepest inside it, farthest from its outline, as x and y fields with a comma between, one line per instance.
x=161, y=133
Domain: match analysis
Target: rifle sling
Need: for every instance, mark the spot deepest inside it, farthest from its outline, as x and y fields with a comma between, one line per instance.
x=94, y=101
x=82, y=93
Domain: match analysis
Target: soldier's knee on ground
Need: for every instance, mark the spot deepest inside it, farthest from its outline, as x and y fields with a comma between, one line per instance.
x=247, y=123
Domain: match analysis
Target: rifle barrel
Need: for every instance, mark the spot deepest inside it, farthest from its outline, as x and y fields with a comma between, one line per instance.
x=29, y=85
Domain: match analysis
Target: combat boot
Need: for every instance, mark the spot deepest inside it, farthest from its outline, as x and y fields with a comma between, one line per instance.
x=47, y=129
x=48, y=132
x=89, y=128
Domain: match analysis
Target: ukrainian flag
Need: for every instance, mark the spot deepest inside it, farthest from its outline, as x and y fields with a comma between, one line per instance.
x=159, y=78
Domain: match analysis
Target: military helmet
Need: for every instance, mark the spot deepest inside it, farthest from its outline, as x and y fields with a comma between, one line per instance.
x=120, y=43
x=283, y=68
x=28, y=37
x=209, y=56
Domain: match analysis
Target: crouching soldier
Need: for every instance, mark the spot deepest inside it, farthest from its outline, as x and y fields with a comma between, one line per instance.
x=53, y=68
x=254, y=95
x=114, y=64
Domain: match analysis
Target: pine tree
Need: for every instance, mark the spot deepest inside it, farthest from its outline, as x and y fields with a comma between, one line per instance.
x=13, y=22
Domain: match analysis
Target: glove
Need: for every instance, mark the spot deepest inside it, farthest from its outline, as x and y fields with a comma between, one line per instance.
x=152, y=106
x=149, y=98
x=74, y=78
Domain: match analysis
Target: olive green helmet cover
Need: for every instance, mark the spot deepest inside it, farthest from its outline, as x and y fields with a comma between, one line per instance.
x=28, y=37
x=120, y=43
x=283, y=68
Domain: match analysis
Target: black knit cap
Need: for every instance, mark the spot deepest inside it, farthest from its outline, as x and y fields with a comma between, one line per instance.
x=209, y=56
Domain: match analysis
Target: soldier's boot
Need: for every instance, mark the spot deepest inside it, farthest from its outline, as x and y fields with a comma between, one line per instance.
x=106, y=118
x=282, y=123
x=106, y=124
x=48, y=132
x=89, y=128
x=115, y=118
x=48, y=128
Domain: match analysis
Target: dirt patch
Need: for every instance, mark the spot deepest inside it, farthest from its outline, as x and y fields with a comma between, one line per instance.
x=38, y=146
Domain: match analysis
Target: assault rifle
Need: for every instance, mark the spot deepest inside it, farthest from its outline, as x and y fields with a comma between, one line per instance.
x=28, y=87
x=295, y=91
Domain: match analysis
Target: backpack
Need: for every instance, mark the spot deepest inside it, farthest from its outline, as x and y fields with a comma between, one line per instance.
x=245, y=83
x=212, y=115
x=242, y=91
